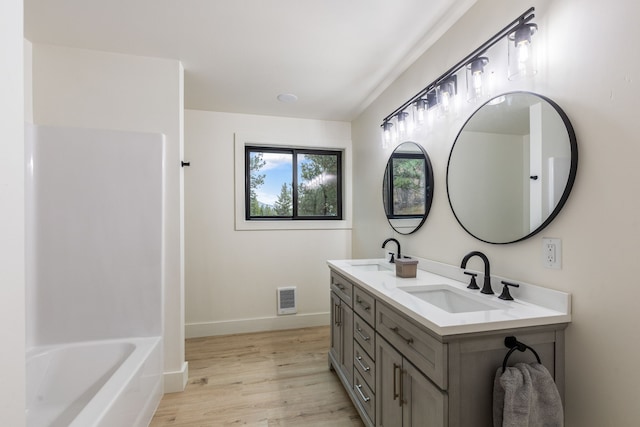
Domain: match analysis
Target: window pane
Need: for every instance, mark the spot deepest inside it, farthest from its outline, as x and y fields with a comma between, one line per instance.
x=270, y=184
x=318, y=185
x=408, y=186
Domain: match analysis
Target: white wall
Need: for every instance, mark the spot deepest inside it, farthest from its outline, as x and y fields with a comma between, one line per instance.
x=472, y=207
x=591, y=69
x=84, y=88
x=231, y=276
x=12, y=223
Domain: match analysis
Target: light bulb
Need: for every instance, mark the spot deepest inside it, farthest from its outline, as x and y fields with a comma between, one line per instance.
x=410, y=128
x=476, y=78
x=523, y=50
x=446, y=93
x=404, y=125
x=387, y=134
x=419, y=111
x=521, y=53
x=446, y=100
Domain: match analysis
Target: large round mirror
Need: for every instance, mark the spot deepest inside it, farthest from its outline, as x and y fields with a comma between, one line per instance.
x=407, y=189
x=512, y=167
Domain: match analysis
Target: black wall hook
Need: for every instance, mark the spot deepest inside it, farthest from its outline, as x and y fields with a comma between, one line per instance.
x=183, y=164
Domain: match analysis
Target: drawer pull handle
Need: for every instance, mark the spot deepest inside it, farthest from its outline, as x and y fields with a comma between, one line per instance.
x=364, y=337
x=365, y=367
x=401, y=399
x=359, y=388
x=395, y=381
x=397, y=331
x=337, y=314
x=360, y=303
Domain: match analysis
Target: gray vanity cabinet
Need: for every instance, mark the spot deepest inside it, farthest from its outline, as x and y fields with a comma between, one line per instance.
x=405, y=396
x=342, y=328
x=400, y=373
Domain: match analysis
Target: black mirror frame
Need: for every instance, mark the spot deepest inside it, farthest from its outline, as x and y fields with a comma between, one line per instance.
x=572, y=171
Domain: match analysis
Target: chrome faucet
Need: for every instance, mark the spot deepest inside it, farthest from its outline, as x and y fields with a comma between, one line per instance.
x=486, y=287
x=398, y=256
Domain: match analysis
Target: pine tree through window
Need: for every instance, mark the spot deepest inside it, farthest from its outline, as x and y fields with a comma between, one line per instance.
x=292, y=184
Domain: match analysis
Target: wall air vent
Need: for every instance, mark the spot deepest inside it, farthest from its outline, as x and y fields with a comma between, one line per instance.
x=287, y=300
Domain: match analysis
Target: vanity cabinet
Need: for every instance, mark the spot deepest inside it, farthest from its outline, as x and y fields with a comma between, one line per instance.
x=399, y=372
x=405, y=396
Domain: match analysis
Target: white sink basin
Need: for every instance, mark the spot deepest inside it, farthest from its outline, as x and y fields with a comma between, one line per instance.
x=372, y=265
x=451, y=299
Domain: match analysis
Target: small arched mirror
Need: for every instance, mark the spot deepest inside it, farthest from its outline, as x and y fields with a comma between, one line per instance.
x=407, y=189
x=512, y=167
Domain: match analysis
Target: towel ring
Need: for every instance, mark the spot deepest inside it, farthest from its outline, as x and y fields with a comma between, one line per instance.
x=512, y=343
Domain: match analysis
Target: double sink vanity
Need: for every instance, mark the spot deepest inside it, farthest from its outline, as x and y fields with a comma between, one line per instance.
x=424, y=351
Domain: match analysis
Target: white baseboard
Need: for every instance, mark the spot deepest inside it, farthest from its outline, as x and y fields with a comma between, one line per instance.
x=228, y=327
x=176, y=381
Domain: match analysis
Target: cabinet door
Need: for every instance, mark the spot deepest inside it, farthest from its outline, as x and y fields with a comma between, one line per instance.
x=388, y=376
x=423, y=403
x=347, y=341
x=342, y=337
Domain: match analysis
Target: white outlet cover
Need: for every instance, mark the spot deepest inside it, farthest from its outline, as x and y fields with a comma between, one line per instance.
x=552, y=252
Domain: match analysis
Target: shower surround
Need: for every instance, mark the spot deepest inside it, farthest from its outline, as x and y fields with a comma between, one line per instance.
x=94, y=276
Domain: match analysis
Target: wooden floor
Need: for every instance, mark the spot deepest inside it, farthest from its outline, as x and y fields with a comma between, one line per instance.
x=278, y=378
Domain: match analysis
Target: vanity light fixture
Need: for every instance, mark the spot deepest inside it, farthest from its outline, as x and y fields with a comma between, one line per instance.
x=442, y=91
x=405, y=127
x=424, y=109
x=388, y=133
x=420, y=111
x=445, y=93
x=476, y=78
x=522, y=58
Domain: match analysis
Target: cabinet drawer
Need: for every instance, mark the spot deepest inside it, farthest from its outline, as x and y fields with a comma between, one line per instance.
x=365, y=365
x=424, y=351
x=365, y=335
x=342, y=287
x=366, y=397
x=364, y=305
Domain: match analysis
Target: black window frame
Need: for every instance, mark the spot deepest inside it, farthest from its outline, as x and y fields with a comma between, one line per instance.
x=294, y=187
x=390, y=211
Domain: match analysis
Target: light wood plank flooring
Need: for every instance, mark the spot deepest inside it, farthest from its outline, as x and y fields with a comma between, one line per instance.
x=278, y=378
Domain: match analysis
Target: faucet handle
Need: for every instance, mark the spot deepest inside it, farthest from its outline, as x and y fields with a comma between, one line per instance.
x=392, y=259
x=505, y=295
x=472, y=284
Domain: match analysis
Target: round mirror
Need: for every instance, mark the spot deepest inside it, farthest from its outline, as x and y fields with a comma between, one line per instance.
x=512, y=167
x=407, y=188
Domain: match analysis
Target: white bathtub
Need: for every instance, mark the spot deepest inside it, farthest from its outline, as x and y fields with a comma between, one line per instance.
x=107, y=383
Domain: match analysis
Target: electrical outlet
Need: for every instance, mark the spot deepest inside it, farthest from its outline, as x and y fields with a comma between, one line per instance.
x=552, y=253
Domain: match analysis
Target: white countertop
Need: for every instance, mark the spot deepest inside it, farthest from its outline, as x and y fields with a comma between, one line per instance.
x=532, y=306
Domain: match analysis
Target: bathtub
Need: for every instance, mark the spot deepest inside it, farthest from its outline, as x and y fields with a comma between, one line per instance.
x=107, y=383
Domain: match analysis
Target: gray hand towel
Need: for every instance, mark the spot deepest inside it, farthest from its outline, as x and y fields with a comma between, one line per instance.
x=526, y=396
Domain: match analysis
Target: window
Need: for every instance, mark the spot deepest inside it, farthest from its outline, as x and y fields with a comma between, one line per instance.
x=292, y=184
x=405, y=185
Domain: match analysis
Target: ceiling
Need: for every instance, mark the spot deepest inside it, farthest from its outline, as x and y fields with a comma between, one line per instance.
x=336, y=56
